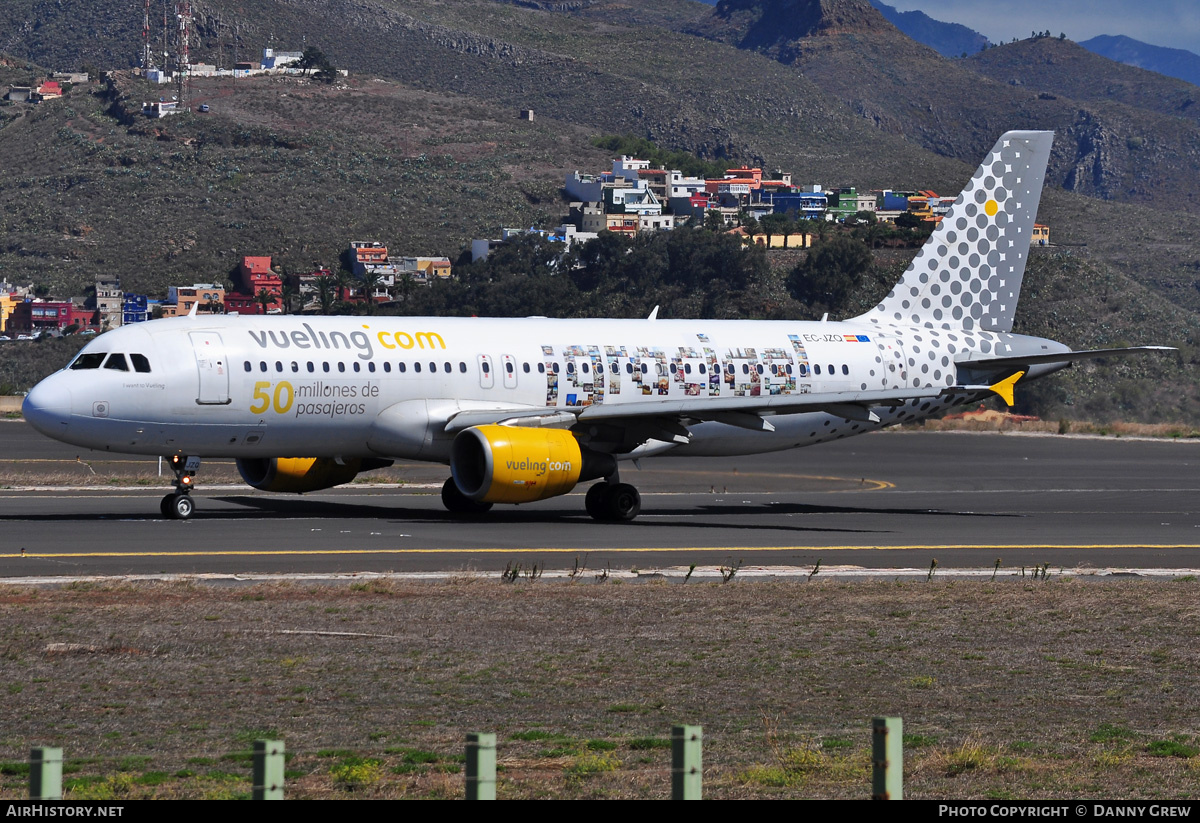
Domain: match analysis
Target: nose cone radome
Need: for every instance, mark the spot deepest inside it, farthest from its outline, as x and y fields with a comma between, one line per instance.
x=48, y=407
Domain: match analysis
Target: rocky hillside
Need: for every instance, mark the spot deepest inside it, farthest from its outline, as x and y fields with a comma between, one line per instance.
x=1064, y=68
x=947, y=39
x=1179, y=63
x=1107, y=148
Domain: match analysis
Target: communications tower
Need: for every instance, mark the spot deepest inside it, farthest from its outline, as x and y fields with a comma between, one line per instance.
x=147, y=52
x=183, y=78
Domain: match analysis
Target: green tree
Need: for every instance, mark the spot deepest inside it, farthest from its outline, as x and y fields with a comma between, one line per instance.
x=312, y=58
x=369, y=283
x=289, y=297
x=265, y=299
x=773, y=224
x=344, y=278
x=827, y=279
x=326, y=292
x=714, y=221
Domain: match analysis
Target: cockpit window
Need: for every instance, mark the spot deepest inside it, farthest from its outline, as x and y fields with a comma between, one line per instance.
x=90, y=360
x=140, y=363
x=117, y=361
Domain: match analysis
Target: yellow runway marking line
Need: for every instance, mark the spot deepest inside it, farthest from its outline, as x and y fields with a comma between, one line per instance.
x=876, y=485
x=75, y=462
x=644, y=549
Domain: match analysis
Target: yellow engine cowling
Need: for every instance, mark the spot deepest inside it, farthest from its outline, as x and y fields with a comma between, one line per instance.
x=302, y=474
x=511, y=464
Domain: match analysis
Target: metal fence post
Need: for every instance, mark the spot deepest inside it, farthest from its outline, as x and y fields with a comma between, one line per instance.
x=887, y=756
x=268, y=770
x=686, y=763
x=45, y=773
x=481, y=766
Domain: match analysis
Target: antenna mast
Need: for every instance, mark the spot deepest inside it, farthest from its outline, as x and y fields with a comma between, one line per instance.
x=147, y=53
x=183, y=79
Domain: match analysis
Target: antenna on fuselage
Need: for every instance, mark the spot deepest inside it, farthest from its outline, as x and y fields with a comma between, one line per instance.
x=653, y=314
x=195, y=308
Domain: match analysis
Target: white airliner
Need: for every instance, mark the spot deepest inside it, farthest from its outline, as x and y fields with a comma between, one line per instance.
x=524, y=409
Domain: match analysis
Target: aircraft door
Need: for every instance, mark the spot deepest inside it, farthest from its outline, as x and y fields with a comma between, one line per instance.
x=487, y=378
x=893, y=365
x=510, y=372
x=212, y=367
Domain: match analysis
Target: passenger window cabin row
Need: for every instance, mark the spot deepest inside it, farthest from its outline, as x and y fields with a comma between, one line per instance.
x=118, y=362
x=448, y=368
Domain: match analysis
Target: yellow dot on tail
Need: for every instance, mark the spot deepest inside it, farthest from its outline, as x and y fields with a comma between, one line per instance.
x=991, y=207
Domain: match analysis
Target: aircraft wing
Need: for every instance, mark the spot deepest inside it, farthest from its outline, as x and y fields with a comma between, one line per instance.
x=743, y=412
x=854, y=405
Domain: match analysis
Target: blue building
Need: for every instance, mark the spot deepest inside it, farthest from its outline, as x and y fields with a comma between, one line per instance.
x=810, y=205
x=134, y=309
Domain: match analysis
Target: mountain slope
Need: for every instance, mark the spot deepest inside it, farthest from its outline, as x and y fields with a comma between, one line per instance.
x=1105, y=148
x=1179, y=63
x=1069, y=69
x=947, y=39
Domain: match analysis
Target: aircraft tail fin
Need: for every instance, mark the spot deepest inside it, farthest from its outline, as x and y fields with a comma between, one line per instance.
x=968, y=274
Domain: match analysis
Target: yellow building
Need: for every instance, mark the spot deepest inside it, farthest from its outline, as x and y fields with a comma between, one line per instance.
x=774, y=241
x=7, y=302
x=211, y=298
x=434, y=267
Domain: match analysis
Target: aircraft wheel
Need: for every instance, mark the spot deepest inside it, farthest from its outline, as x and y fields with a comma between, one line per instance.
x=455, y=501
x=594, y=502
x=164, y=505
x=182, y=506
x=622, y=502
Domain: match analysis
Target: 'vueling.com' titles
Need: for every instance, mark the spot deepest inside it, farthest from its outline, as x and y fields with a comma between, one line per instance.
x=359, y=341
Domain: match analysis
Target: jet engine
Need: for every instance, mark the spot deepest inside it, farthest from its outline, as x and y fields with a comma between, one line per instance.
x=513, y=464
x=303, y=474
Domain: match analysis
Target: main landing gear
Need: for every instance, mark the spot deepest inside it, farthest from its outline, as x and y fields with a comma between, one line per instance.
x=613, y=502
x=178, y=505
x=608, y=501
x=457, y=502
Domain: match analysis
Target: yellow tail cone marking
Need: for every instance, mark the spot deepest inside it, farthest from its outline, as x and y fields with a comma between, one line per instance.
x=1005, y=387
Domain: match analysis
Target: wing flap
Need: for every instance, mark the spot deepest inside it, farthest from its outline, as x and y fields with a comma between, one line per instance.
x=710, y=408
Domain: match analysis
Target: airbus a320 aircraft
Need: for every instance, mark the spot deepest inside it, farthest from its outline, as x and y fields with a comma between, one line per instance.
x=524, y=409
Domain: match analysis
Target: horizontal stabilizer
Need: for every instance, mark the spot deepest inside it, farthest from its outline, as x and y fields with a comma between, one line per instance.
x=1057, y=357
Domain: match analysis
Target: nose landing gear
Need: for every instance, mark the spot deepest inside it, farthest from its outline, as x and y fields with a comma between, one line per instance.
x=178, y=505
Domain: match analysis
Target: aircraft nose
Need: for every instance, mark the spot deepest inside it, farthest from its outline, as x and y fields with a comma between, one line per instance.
x=47, y=407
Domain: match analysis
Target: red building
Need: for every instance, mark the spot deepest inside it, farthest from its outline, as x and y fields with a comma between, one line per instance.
x=256, y=275
x=36, y=315
x=238, y=303
x=49, y=90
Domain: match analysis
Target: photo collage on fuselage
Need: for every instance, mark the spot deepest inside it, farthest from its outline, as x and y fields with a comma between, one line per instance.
x=583, y=375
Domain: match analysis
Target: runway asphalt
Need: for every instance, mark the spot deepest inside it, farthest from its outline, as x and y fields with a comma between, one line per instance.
x=886, y=500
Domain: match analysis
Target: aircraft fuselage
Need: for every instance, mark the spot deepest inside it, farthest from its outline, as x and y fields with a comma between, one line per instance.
x=287, y=386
